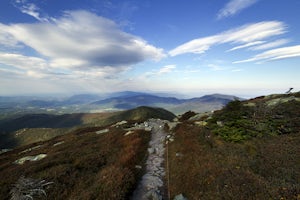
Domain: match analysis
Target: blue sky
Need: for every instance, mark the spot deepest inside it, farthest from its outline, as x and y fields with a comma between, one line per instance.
x=195, y=47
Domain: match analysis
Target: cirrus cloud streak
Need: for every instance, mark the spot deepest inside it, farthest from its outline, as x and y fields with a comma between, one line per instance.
x=245, y=36
x=275, y=54
x=233, y=7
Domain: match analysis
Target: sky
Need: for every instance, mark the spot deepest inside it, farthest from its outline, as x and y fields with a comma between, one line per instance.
x=195, y=47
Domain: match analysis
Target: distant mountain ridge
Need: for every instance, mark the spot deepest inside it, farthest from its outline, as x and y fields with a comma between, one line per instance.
x=127, y=102
x=214, y=97
x=85, y=103
x=201, y=104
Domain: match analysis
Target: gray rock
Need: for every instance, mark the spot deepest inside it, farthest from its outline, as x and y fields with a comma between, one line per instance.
x=21, y=161
x=153, y=195
x=30, y=149
x=138, y=167
x=119, y=123
x=220, y=123
x=180, y=197
x=150, y=150
x=128, y=133
x=178, y=154
x=102, y=131
x=59, y=143
x=148, y=128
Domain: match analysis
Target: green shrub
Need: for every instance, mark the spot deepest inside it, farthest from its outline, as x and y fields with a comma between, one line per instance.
x=231, y=134
x=237, y=121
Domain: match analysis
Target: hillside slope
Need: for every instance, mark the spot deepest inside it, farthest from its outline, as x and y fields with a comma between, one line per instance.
x=142, y=113
x=270, y=115
x=78, y=165
x=32, y=128
x=248, y=150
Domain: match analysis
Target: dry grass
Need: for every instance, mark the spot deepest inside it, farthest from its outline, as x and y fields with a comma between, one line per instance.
x=206, y=167
x=86, y=166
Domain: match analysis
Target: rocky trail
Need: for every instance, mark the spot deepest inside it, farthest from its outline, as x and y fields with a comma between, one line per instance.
x=151, y=186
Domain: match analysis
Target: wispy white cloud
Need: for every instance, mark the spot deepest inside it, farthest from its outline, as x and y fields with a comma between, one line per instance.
x=237, y=70
x=275, y=54
x=220, y=66
x=163, y=70
x=30, y=9
x=81, y=39
x=166, y=69
x=246, y=45
x=22, y=62
x=39, y=68
x=215, y=67
x=242, y=35
x=261, y=45
x=26, y=65
x=270, y=45
x=6, y=39
x=233, y=7
x=10, y=72
x=190, y=69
